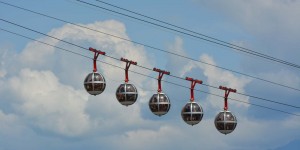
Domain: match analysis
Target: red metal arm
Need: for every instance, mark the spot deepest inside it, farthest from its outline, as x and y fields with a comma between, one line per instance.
x=161, y=73
x=96, y=54
x=227, y=91
x=128, y=63
x=193, y=84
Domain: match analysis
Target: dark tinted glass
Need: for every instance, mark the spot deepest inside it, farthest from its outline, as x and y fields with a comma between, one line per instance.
x=99, y=86
x=154, y=107
x=196, y=117
x=122, y=88
x=196, y=107
x=162, y=98
x=131, y=97
x=88, y=86
x=130, y=88
x=230, y=126
x=121, y=97
x=164, y=107
x=97, y=77
x=220, y=116
x=187, y=108
x=220, y=126
x=153, y=98
x=186, y=117
x=89, y=78
x=229, y=116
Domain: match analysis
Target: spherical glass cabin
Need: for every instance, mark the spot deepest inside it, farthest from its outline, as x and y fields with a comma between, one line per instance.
x=94, y=83
x=225, y=122
x=127, y=94
x=192, y=113
x=159, y=104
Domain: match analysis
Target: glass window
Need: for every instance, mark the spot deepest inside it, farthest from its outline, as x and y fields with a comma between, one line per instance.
x=187, y=108
x=99, y=86
x=186, y=117
x=130, y=88
x=162, y=98
x=230, y=126
x=220, y=117
x=88, y=86
x=229, y=117
x=97, y=77
x=197, y=117
x=121, y=97
x=154, y=107
x=131, y=97
x=89, y=78
x=122, y=88
x=195, y=107
x=119, y=88
x=154, y=98
x=164, y=107
x=220, y=126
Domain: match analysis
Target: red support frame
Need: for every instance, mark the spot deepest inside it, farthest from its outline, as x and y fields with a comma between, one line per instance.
x=96, y=54
x=193, y=84
x=160, y=75
x=227, y=91
x=128, y=63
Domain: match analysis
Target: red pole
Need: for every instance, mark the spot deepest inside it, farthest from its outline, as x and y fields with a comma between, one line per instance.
x=160, y=75
x=95, y=61
x=227, y=91
x=225, y=100
x=193, y=84
x=128, y=63
x=96, y=54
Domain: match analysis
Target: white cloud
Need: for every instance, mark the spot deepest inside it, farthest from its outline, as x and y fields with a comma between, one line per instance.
x=272, y=26
x=261, y=16
x=8, y=123
x=216, y=77
x=148, y=139
x=49, y=105
x=2, y=73
x=180, y=67
x=47, y=93
x=204, y=135
x=47, y=90
x=284, y=77
x=2, y=70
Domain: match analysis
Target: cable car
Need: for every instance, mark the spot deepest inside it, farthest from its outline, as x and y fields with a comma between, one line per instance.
x=127, y=94
x=159, y=104
x=225, y=122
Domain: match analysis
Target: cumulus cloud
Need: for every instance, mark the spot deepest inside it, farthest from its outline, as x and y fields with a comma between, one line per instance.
x=261, y=16
x=8, y=123
x=46, y=103
x=148, y=139
x=204, y=135
x=2, y=70
x=283, y=76
x=46, y=92
x=47, y=86
x=214, y=76
x=273, y=25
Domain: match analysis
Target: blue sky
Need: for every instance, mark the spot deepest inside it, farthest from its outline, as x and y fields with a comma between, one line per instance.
x=43, y=104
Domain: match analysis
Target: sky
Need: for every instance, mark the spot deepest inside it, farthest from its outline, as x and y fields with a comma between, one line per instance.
x=43, y=104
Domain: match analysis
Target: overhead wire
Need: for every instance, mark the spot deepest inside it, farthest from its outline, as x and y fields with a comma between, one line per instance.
x=255, y=97
x=152, y=47
x=182, y=28
x=64, y=49
x=211, y=40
